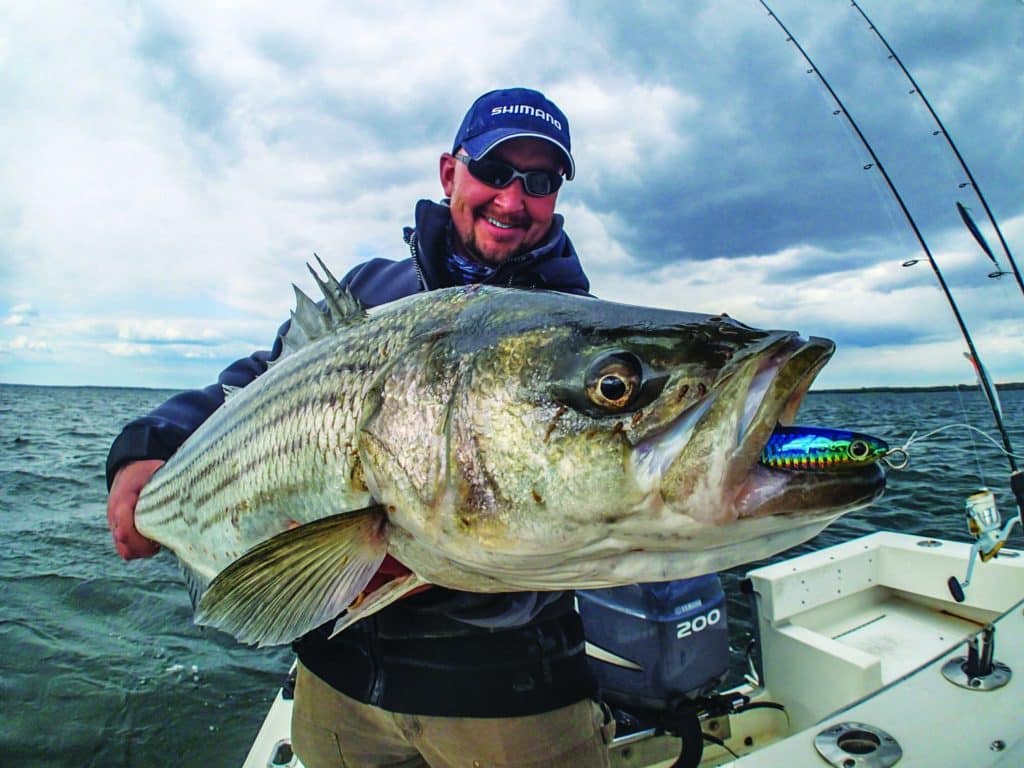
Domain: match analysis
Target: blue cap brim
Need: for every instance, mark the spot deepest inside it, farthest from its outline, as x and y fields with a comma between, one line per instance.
x=478, y=146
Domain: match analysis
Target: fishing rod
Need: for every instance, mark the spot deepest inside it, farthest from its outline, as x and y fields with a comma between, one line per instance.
x=964, y=213
x=1016, y=476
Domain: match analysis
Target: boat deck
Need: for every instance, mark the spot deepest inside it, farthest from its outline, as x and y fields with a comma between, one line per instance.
x=856, y=633
x=898, y=636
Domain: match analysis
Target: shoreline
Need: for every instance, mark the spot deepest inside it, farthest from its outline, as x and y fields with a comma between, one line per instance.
x=1004, y=387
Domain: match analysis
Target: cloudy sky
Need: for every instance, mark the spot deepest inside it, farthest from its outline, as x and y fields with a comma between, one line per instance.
x=166, y=169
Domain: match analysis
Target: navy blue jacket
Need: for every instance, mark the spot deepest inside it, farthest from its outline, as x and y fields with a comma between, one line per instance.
x=553, y=266
x=440, y=652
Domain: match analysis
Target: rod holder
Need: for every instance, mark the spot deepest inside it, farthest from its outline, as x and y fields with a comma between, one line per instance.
x=978, y=670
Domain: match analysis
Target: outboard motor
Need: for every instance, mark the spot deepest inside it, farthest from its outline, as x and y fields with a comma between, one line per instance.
x=656, y=649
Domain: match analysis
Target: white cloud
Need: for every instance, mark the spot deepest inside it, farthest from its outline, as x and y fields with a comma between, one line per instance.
x=25, y=343
x=632, y=126
x=163, y=205
x=592, y=235
x=20, y=315
x=128, y=349
x=164, y=330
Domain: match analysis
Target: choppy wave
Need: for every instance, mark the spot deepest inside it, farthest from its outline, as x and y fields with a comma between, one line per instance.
x=98, y=658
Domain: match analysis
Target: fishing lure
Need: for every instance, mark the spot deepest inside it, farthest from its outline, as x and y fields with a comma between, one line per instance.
x=899, y=456
x=819, y=448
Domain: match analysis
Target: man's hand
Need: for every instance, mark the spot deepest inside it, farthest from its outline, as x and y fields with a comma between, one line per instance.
x=124, y=495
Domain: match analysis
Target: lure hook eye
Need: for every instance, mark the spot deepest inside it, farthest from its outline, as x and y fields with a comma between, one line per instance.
x=897, y=458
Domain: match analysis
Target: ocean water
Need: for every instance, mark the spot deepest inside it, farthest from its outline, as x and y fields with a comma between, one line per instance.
x=100, y=664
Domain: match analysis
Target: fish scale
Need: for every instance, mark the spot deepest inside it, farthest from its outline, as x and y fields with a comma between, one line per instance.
x=467, y=433
x=260, y=451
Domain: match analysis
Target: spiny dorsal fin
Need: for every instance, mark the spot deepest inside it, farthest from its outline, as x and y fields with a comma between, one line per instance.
x=311, y=321
x=344, y=307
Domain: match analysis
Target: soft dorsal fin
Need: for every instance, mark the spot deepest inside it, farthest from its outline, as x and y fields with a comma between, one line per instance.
x=311, y=321
x=229, y=391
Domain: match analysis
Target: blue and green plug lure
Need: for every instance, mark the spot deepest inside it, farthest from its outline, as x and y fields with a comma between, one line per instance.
x=819, y=448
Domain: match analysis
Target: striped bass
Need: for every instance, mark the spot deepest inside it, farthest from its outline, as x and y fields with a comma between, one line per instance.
x=490, y=440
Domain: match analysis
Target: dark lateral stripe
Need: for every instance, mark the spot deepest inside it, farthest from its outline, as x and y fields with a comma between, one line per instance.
x=159, y=513
x=293, y=448
x=216, y=462
x=152, y=524
x=314, y=385
x=307, y=377
x=162, y=498
x=242, y=420
x=221, y=443
x=238, y=507
x=246, y=505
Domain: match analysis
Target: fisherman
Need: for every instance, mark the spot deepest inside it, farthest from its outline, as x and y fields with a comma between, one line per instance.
x=441, y=677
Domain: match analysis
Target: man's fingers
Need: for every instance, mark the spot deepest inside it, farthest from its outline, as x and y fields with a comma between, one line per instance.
x=129, y=543
x=124, y=495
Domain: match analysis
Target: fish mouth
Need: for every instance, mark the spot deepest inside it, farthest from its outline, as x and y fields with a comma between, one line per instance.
x=707, y=463
x=776, y=391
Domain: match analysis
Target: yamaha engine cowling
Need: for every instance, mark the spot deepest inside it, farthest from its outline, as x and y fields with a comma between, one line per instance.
x=653, y=646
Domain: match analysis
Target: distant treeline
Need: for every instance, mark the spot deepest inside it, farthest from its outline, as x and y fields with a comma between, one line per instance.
x=944, y=388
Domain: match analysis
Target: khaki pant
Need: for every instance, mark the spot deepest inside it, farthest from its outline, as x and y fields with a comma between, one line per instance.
x=331, y=730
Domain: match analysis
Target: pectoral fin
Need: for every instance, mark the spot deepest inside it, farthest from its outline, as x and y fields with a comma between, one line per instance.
x=296, y=581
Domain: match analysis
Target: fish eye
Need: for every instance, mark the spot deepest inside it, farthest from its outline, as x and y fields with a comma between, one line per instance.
x=614, y=381
x=859, y=449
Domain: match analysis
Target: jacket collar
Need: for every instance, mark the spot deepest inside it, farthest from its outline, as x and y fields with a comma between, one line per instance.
x=432, y=223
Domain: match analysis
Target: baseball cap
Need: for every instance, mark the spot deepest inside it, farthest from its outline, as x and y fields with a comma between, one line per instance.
x=511, y=113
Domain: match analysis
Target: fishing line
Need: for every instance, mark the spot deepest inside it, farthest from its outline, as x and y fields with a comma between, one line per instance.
x=1016, y=477
x=914, y=439
x=971, y=181
x=974, y=444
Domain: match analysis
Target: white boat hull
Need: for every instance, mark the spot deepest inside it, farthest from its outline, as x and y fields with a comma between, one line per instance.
x=857, y=634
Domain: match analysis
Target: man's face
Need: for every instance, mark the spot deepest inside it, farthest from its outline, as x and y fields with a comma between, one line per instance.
x=493, y=224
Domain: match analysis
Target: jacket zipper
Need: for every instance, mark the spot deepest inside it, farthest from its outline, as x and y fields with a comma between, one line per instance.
x=414, y=251
x=508, y=271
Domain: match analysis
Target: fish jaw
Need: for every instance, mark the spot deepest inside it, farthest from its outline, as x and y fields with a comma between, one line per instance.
x=693, y=499
x=523, y=483
x=788, y=493
x=712, y=472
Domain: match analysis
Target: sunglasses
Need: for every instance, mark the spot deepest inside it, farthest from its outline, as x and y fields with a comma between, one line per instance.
x=494, y=173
